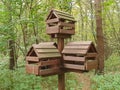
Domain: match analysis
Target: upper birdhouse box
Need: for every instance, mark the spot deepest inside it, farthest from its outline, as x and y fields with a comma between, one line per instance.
x=80, y=56
x=43, y=59
x=59, y=22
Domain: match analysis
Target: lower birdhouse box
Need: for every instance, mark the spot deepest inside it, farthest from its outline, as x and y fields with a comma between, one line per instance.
x=43, y=59
x=80, y=56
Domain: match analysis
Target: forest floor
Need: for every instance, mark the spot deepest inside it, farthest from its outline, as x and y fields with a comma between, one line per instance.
x=85, y=80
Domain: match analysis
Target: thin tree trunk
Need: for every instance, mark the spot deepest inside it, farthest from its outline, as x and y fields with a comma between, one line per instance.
x=12, y=55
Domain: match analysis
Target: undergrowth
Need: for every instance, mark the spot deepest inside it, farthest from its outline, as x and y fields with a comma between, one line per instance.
x=18, y=79
x=111, y=79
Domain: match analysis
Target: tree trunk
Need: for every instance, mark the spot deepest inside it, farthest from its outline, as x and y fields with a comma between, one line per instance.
x=100, y=38
x=12, y=55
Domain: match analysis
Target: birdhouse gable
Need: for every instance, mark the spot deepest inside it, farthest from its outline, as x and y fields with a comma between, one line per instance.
x=60, y=15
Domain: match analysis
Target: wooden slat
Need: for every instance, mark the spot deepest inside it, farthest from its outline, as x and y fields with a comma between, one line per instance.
x=67, y=31
x=72, y=66
x=91, y=55
x=49, y=55
x=64, y=14
x=43, y=46
x=77, y=47
x=49, y=71
x=80, y=43
x=32, y=69
x=91, y=64
x=67, y=51
x=53, y=29
x=66, y=24
x=52, y=20
x=73, y=58
x=50, y=62
x=47, y=50
x=62, y=36
x=30, y=58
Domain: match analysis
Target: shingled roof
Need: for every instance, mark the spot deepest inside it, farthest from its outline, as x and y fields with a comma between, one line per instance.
x=60, y=15
x=82, y=48
x=44, y=50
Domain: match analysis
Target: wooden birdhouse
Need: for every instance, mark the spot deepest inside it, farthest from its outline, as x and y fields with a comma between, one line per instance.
x=60, y=24
x=80, y=56
x=43, y=59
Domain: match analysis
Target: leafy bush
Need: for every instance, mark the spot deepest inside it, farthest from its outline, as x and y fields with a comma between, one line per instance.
x=109, y=81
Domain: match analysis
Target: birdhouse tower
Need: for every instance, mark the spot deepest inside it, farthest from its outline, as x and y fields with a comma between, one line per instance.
x=60, y=24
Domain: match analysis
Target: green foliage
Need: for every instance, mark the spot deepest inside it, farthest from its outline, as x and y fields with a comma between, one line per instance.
x=111, y=80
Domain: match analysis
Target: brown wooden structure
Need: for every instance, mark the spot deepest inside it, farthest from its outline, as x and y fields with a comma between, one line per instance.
x=60, y=24
x=80, y=56
x=43, y=59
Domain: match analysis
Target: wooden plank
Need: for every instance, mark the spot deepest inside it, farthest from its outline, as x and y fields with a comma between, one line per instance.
x=91, y=55
x=50, y=62
x=80, y=43
x=31, y=58
x=49, y=55
x=91, y=64
x=37, y=46
x=63, y=13
x=74, y=58
x=67, y=31
x=32, y=69
x=68, y=51
x=62, y=36
x=49, y=71
x=66, y=24
x=52, y=20
x=47, y=50
x=52, y=30
x=77, y=47
x=73, y=66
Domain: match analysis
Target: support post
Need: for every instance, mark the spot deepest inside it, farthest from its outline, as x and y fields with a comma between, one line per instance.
x=61, y=77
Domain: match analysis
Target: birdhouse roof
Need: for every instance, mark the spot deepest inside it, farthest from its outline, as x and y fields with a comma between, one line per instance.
x=81, y=48
x=60, y=15
x=44, y=50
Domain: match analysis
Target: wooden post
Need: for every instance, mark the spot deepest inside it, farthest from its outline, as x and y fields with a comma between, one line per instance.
x=61, y=77
x=99, y=32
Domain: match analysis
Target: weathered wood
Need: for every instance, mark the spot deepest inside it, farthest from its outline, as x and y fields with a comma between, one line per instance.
x=91, y=55
x=67, y=51
x=74, y=58
x=62, y=36
x=53, y=28
x=52, y=20
x=66, y=24
x=32, y=69
x=47, y=50
x=80, y=43
x=31, y=58
x=91, y=64
x=43, y=46
x=49, y=71
x=50, y=62
x=73, y=66
x=49, y=55
x=67, y=31
x=77, y=47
